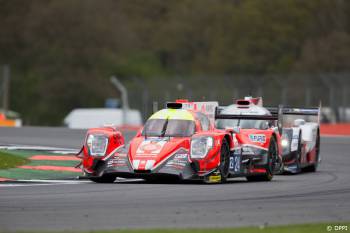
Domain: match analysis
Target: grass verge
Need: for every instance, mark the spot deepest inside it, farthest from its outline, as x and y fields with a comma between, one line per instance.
x=10, y=161
x=299, y=228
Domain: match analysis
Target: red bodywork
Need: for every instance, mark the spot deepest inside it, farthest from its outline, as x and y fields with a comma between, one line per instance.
x=115, y=140
x=146, y=155
x=158, y=150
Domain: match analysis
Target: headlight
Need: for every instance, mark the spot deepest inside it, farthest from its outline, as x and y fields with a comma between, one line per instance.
x=284, y=142
x=200, y=146
x=97, y=144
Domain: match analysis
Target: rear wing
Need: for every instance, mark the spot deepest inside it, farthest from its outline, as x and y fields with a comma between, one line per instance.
x=275, y=116
x=313, y=111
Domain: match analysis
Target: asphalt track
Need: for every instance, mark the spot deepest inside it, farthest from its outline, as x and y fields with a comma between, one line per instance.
x=310, y=197
x=47, y=136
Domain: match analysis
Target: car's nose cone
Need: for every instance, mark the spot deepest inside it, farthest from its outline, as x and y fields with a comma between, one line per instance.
x=148, y=153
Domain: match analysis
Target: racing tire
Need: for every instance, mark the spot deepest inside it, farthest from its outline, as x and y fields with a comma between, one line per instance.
x=103, y=179
x=313, y=167
x=224, y=161
x=270, y=167
x=222, y=172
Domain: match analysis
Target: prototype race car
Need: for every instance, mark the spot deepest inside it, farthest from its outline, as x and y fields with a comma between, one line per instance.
x=175, y=142
x=300, y=139
x=257, y=153
x=181, y=141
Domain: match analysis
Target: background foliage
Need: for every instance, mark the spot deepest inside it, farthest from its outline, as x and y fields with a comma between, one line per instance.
x=62, y=52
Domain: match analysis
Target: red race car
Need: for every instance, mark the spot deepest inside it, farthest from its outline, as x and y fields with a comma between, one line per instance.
x=257, y=152
x=181, y=141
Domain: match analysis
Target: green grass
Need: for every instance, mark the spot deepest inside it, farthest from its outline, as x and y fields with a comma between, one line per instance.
x=304, y=228
x=8, y=160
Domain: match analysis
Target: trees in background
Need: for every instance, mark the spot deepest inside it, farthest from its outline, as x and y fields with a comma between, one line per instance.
x=62, y=52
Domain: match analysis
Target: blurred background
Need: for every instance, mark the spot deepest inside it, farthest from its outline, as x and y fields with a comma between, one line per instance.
x=59, y=55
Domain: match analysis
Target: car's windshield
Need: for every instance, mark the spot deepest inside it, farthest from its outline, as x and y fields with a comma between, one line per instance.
x=169, y=128
x=243, y=124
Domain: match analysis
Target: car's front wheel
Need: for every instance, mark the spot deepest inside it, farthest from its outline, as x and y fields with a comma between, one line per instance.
x=272, y=157
x=224, y=161
x=313, y=167
x=222, y=172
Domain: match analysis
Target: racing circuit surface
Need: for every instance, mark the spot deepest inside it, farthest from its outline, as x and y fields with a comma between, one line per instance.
x=80, y=205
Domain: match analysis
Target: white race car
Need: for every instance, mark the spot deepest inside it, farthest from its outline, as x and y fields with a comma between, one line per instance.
x=300, y=139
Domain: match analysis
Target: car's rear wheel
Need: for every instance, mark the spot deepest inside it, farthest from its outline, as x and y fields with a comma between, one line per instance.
x=103, y=179
x=270, y=166
x=313, y=167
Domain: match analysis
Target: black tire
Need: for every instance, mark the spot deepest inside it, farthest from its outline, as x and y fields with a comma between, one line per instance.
x=103, y=179
x=162, y=180
x=271, y=162
x=313, y=167
x=224, y=161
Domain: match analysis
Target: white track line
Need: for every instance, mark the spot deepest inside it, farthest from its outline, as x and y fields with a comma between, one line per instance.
x=40, y=183
x=21, y=183
x=40, y=148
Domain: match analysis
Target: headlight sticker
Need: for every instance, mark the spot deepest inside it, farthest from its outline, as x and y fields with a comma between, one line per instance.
x=260, y=138
x=97, y=144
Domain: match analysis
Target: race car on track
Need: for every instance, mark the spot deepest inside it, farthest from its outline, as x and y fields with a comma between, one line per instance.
x=300, y=138
x=174, y=142
x=181, y=141
x=257, y=153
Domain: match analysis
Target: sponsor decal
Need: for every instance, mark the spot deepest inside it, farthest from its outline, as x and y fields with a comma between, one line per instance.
x=150, y=147
x=260, y=138
x=117, y=162
x=178, y=162
x=176, y=165
x=247, y=151
x=180, y=156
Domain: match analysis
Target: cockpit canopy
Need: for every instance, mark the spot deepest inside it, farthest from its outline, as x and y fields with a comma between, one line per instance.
x=249, y=109
x=170, y=123
x=243, y=124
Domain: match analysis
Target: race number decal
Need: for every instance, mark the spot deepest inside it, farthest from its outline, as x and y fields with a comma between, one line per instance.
x=260, y=138
x=235, y=163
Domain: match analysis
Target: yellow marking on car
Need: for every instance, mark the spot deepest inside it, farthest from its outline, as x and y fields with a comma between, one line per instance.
x=173, y=114
x=214, y=178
